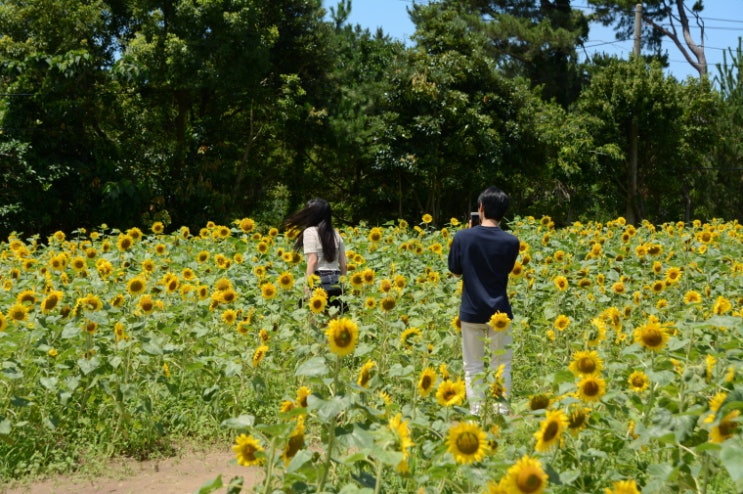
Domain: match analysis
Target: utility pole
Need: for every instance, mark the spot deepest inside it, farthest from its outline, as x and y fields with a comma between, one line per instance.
x=632, y=212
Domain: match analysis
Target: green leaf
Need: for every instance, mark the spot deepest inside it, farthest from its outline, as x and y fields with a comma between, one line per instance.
x=5, y=427
x=731, y=457
x=211, y=485
x=88, y=365
x=313, y=367
x=241, y=422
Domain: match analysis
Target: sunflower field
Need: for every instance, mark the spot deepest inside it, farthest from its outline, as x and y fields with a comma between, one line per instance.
x=627, y=373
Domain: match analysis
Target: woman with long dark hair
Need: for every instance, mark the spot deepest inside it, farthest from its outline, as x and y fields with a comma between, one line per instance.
x=323, y=247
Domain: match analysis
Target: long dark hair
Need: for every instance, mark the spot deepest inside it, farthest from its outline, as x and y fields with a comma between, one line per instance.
x=315, y=213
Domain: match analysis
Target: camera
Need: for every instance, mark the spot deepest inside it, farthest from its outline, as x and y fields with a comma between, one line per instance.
x=474, y=218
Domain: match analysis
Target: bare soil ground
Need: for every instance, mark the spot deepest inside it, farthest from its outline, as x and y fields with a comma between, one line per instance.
x=184, y=474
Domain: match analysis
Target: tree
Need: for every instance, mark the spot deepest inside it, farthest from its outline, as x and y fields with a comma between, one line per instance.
x=661, y=18
x=56, y=101
x=675, y=131
x=532, y=39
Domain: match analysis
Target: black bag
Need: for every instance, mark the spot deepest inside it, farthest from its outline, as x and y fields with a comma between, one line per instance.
x=330, y=282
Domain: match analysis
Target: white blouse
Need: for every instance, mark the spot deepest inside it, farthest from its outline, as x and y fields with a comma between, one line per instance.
x=312, y=244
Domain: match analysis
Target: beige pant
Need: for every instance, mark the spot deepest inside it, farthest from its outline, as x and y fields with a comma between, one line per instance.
x=475, y=339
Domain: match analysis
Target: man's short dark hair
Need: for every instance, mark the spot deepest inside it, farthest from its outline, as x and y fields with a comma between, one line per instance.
x=494, y=203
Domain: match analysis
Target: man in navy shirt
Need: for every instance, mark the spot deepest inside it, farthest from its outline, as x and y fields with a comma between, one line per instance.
x=484, y=255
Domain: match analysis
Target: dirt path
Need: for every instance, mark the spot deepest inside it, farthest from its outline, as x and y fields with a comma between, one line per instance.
x=184, y=474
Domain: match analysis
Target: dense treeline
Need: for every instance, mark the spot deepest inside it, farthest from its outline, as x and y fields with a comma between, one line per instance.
x=127, y=111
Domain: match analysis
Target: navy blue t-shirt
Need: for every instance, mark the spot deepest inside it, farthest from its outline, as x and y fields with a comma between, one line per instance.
x=484, y=256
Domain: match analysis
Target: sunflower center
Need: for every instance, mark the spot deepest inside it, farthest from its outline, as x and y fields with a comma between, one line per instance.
x=449, y=394
x=652, y=338
x=426, y=382
x=248, y=452
x=587, y=365
x=343, y=338
x=727, y=428
x=576, y=420
x=529, y=481
x=550, y=432
x=591, y=388
x=468, y=443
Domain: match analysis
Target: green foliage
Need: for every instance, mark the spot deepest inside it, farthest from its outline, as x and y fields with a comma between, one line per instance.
x=188, y=111
x=201, y=349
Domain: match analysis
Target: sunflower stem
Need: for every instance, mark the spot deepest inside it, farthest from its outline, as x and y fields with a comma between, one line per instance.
x=269, y=467
x=378, y=481
x=331, y=431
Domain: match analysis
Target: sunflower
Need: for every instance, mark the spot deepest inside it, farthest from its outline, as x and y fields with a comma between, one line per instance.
x=370, y=303
x=561, y=283
x=539, y=401
x=78, y=264
x=356, y=280
x=295, y=442
x=146, y=304
x=387, y=304
x=317, y=303
x=286, y=280
x=365, y=374
x=692, y=297
x=124, y=242
x=268, y=291
x=148, y=265
x=90, y=327
x=409, y=335
x=591, y=388
x=526, y=477
x=578, y=419
x=135, y=233
x=136, y=285
x=426, y=381
x=3, y=322
x=120, y=332
x=550, y=432
x=202, y=256
x=227, y=296
x=368, y=276
x=586, y=363
x=721, y=306
x=248, y=451
x=403, y=441
x=18, y=312
x=673, y=275
x=658, y=286
x=652, y=336
x=246, y=225
x=467, y=442
x=229, y=316
x=725, y=429
x=51, y=301
x=427, y=218
x=623, y=487
x=499, y=321
x=561, y=322
x=638, y=381
x=343, y=334
x=618, y=288
x=258, y=355
x=302, y=394
x=450, y=393
x=263, y=335
x=498, y=388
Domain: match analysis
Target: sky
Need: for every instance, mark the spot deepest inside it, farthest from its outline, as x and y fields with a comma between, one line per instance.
x=723, y=27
